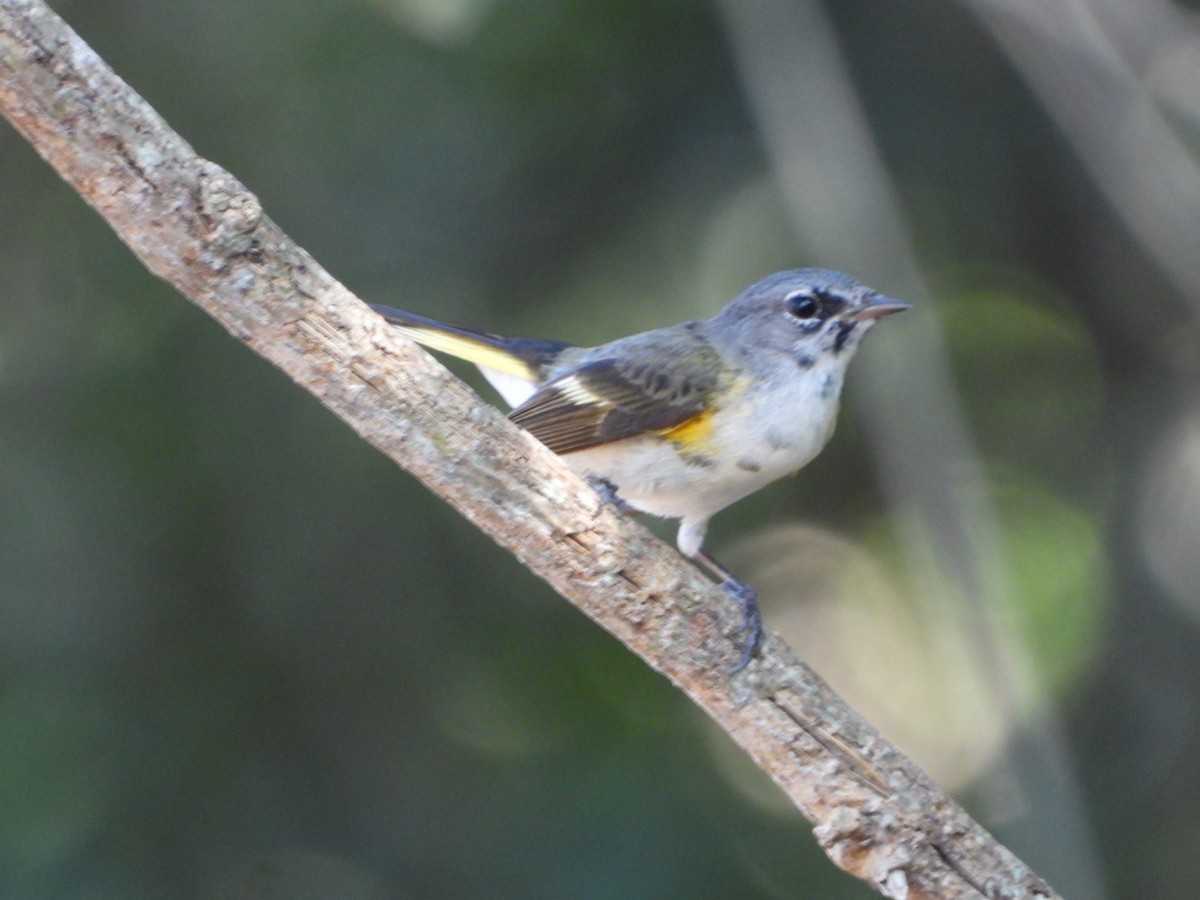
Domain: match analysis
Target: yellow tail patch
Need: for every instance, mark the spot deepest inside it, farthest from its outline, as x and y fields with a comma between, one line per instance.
x=480, y=354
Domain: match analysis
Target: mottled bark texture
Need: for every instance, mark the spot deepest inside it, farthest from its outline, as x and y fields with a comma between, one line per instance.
x=193, y=224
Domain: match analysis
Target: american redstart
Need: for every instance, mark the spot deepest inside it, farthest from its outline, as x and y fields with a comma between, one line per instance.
x=682, y=421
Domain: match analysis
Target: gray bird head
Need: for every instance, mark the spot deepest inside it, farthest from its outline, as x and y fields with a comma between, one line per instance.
x=809, y=314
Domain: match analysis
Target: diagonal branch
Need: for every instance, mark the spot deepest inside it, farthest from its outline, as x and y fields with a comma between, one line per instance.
x=194, y=225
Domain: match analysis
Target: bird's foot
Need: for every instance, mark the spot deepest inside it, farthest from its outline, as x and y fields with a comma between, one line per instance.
x=747, y=599
x=752, y=623
x=608, y=492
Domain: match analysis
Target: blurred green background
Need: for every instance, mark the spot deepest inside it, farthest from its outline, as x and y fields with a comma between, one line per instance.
x=242, y=655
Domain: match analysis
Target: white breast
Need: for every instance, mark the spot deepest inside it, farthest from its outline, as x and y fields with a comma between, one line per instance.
x=769, y=431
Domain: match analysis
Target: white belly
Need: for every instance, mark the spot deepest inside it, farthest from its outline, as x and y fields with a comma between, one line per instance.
x=754, y=442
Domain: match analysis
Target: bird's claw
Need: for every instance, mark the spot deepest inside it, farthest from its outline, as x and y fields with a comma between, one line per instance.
x=752, y=623
x=608, y=492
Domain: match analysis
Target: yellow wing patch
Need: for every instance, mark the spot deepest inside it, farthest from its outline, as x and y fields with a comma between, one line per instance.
x=693, y=435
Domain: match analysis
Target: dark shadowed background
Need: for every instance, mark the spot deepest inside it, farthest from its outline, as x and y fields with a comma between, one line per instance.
x=244, y=656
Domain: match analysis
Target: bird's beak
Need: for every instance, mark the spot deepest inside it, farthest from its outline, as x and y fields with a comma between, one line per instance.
x=877, y=307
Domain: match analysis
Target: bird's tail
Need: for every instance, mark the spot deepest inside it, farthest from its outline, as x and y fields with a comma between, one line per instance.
x=513, y=365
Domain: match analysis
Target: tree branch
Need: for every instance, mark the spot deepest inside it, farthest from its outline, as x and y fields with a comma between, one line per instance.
x=877, y=815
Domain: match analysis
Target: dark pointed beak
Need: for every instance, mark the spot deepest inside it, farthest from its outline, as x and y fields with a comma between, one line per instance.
x=877, y=307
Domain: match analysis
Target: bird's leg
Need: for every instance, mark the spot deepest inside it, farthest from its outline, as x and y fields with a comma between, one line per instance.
x=747, y=599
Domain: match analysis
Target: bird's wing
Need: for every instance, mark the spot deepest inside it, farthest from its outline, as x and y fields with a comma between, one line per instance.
x=644, y=390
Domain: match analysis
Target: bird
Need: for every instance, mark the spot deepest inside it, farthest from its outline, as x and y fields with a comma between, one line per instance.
x=682, y=421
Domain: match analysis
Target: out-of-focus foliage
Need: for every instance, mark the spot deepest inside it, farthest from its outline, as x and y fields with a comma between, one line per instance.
x=243, y=656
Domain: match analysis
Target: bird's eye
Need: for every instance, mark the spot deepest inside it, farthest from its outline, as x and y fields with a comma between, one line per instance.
x=802, y=306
